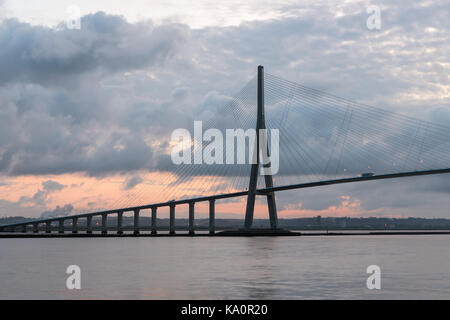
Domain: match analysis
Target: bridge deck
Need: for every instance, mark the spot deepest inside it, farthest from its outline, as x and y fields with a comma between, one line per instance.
x=237, y=194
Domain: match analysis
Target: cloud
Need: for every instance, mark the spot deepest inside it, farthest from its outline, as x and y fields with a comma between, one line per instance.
x=50, y=186
x=99, y=95
x=31, y=205
x=57, y=212
x=40, y=197
x=63, y=90
x=104, y=99
x=131, y=182
x=104, y=44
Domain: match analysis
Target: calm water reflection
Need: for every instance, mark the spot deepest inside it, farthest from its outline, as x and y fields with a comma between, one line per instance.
x=227, y=268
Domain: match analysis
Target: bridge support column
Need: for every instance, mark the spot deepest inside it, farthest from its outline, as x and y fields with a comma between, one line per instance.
x=74, y=225
x=172, y=220
x=154, y=220
x=119, y=222
x=260, y=134
x=24, y=228
x=104, y=223
x=136, y=221
x=272, y=206
x=48, y=227
x=89, y=224
x=35, y=227
x=212, y=218
x=61, y=226
x=191, y=218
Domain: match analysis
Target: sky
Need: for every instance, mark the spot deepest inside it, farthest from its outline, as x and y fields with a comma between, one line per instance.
x=86, y=114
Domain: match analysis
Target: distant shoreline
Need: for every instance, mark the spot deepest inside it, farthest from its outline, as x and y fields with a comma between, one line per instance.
x=318, y=223
x=295, y=233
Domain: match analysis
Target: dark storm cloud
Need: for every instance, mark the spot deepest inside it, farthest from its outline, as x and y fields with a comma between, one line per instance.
x=44, y=145
x=61, y=108
x=104, y=43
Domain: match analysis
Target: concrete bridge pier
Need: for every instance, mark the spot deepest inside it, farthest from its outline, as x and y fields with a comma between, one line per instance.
x=24, y=228
x=89, y=224
x=104, y=223
x=172, y=220
x=35, y=227
x=75, y=225
x=48, y=227
x=119, y=222
x=61, y=226
x=154, y=232
x=191, y=218
x=136, y=222
x=212, y=216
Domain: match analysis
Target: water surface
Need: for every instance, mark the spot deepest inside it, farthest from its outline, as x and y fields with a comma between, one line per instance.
x=333, y=267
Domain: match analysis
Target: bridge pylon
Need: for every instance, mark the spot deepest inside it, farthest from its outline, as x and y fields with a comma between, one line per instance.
x=261, y=133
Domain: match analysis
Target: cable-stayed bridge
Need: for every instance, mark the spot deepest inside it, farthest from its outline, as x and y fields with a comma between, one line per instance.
x=322, y=140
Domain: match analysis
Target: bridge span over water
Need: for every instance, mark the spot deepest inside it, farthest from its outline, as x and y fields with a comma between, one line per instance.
x=359, y=135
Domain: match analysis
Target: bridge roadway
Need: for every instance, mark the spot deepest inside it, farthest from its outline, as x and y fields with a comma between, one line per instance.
x=191, y=202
